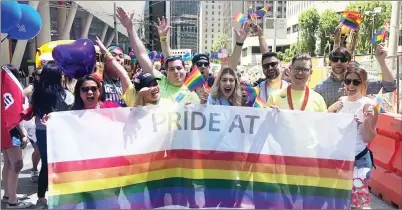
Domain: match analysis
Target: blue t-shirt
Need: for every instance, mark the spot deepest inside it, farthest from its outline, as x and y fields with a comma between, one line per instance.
x=218, y=101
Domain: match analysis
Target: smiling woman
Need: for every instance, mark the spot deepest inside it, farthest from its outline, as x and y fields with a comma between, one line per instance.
x=226, y=89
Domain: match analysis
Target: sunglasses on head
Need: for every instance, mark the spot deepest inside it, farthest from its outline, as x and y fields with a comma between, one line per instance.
x=267, y=65
x=202, y=64
x=336, y=59
x=87, y=89
x=355, y=82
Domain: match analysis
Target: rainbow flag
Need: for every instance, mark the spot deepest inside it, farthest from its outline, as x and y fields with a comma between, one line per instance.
x=250, y=12
x=252, y=93
x=261, y=12
x=246, y=159
x=240, y=17
x=351, y=19
x=259, y=102
x=379, y=101
x=194, y=79
x=379, y=35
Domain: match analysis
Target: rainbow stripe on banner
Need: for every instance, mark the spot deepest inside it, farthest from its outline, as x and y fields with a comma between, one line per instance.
x=240, y=17
x=259, y=102
x=351, y=19
x=194, y=79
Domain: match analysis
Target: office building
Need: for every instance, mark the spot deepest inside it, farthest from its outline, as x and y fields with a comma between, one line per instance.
x=211, y=24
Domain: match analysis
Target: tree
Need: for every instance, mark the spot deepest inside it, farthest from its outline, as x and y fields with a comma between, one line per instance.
x=221, y=42
x=366, y=27
x=309, y=21
x=328, y=22
x=289, y=53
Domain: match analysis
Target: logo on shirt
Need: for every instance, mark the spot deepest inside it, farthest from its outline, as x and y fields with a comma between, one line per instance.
x=8, y=100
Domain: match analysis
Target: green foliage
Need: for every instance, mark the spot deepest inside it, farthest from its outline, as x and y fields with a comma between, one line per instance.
x=365, y=33
x=221, y=42
x=328, y=22
x=289, y=53
x=309, y=21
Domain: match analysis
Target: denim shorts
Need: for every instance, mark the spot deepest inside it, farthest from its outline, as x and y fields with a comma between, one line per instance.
x=365, y=162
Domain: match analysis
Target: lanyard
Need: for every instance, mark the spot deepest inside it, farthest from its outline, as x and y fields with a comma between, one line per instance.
x=266, y=89
x=305, y=100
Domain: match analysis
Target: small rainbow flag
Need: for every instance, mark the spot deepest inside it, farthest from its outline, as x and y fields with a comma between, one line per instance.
x=252, y=93
x=379, y=35
x=379, y=102
x=351, y=19
x=262, y=12
x=240, y=17
x=194, y=79
x=251, y=13
x=259, y=102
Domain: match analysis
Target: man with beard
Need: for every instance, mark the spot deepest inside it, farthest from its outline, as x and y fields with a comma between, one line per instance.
x=332, y=88
x=111, y=86
x=271, y=69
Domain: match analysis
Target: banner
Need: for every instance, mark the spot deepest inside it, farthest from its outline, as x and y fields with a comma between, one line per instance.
x=200, y=156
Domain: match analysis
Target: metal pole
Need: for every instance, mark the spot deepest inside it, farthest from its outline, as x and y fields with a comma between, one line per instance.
x=372, y=35
x=115, y=25
x=398, y=109
x=274, y=14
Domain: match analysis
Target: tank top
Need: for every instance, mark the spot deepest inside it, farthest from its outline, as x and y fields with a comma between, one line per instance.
x=356, y=108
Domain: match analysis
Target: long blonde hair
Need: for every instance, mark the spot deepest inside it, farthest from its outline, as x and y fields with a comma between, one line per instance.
x=235, y=98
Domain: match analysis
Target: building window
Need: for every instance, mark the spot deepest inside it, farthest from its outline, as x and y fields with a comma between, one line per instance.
x=212, y=25
x=206, y=6
x=206, y=30
x=288, y=30
x=212, y=36
x=219, y=13
x=206, y=12
x=212, y=30
x=206, y=41
x=255, y=50
x=213, y=13
x=219, y=7
x=219, y=30
x=244, y=52
x=212, y=5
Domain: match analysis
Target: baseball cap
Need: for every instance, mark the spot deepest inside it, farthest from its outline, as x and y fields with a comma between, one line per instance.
x=143, y=80
x=200, y=57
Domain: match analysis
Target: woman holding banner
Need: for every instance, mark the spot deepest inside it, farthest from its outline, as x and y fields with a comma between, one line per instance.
x=355, y=85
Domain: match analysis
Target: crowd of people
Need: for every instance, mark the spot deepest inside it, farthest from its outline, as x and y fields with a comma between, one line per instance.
x=284, y=87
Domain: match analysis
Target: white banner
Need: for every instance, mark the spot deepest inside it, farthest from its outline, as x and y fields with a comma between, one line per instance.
x=93, y=152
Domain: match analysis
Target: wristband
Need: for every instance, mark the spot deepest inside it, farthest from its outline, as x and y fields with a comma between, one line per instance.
x=239, y=44
x=261, y=37
x=108, y=54
x=163, y=38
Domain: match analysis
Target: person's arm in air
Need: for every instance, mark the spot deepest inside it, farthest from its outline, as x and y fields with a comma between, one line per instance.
x=261, y=39
x=163, y=30
x=241, y=35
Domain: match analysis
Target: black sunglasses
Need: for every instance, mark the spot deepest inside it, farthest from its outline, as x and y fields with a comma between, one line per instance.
x=201, y=64
x=267, y=65
x=87, y=89
x=336, y=59
x=355, y=82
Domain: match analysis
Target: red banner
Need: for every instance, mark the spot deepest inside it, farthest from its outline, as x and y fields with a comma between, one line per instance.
x=11, y=105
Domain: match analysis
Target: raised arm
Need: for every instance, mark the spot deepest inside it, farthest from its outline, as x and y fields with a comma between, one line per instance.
x=136, y=44
x=263, y=44
x=115, y=66
x=163, y=30
x=241, y=35
x=381, y=53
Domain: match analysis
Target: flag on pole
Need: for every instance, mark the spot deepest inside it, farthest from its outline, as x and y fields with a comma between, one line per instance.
x=240, y=17
x=351, y=19
x=262, y=12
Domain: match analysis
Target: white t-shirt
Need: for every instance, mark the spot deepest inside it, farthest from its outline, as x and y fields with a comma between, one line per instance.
x=356, y=107
x=30, y=124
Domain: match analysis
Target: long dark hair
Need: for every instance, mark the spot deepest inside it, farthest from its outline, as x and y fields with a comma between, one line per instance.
x=49, y=91
x=78, y=103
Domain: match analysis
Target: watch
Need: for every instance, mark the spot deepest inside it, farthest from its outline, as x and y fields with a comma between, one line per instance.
x=239, y=44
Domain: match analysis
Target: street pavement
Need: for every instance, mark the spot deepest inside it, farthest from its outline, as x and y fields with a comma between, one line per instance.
x=26, y=186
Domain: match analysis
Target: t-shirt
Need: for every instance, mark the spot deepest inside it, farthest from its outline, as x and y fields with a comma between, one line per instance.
x=277, y=84
x=60, y=106
x=129, y=96
x=356, y=108
x=315, y=101
x=218, y=101
x=112, y=90
x=171, y=94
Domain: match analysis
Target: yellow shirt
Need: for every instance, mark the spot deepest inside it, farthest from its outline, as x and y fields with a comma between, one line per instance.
x=315, y=101
x=169, y=94
x=129, y=96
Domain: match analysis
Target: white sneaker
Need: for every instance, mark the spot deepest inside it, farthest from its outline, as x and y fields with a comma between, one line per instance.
x=34, y=176
x=19, y=205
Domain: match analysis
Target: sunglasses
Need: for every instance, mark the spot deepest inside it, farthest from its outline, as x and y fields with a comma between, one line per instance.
x=202, y=64
x=300, y=69
x=336, y=59
x=267, y=65
x=87, y=89
x=355, y=82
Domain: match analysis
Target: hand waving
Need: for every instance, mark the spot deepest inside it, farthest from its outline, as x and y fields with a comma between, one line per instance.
x=125, y=18
x=163, y=26
x=381, y=52
x=242, y=33
x=102, y=47
x=258, y=29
